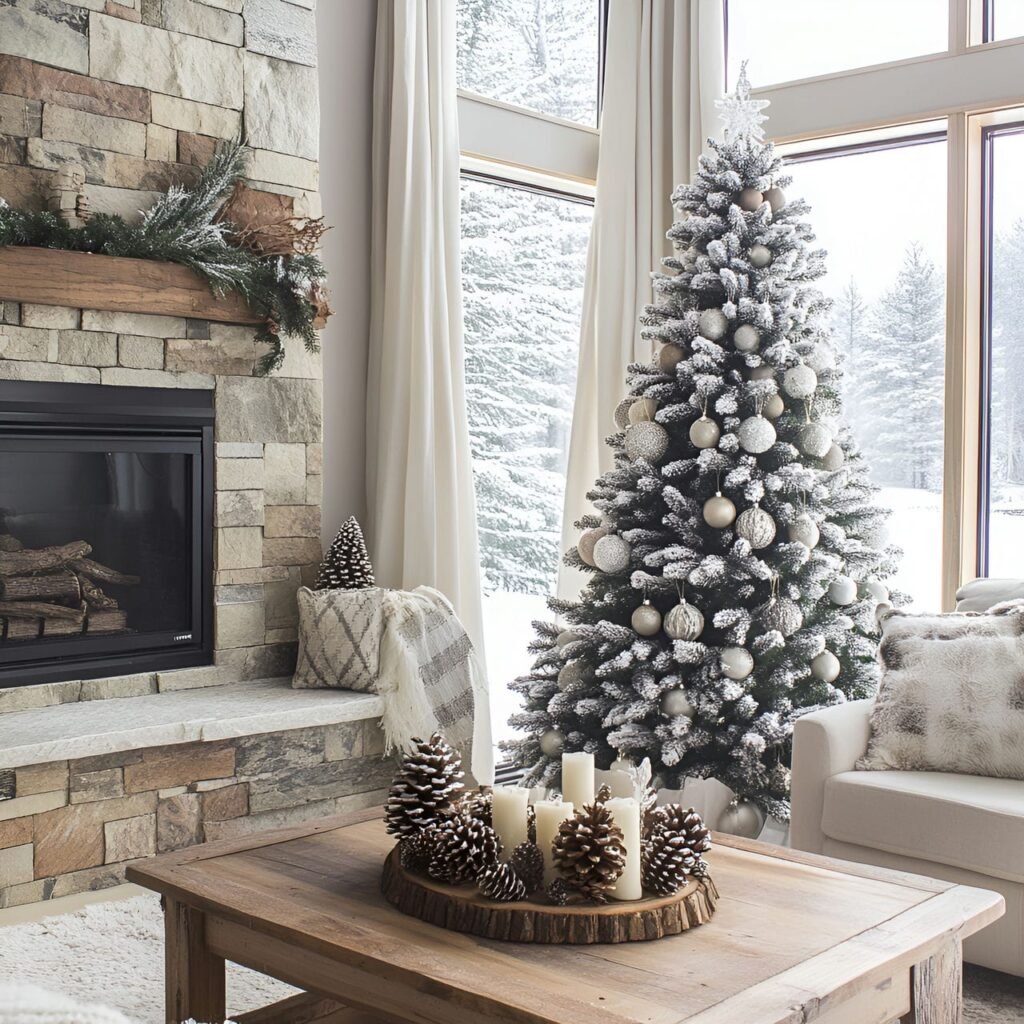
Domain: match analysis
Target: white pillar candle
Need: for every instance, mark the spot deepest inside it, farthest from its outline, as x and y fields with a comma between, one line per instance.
x=626, y=812
x=578, y=779
x=508, y=812
x=550, y=814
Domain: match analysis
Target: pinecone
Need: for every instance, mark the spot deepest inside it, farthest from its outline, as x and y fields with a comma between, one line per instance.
x=529, y=864
x=427, y=785
x=465, y=848
x=502, y=884
x=667, y=860
x=478, y=805
x=604, y=793
x=346, y=566
x=588, y=852
x=415, y=850
x=531, y=823
x=684, y=821
x=558, y=892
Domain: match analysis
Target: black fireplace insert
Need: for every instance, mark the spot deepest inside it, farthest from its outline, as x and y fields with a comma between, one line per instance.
x=106, y=545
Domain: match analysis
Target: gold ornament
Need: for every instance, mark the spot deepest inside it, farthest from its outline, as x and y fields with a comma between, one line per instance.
x=704, y=433
x=684, y=622
x=749, y=199
x=719, y=511
x=646, y=619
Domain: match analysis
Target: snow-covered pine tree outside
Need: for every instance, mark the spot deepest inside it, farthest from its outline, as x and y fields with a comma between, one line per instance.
x=743, y=260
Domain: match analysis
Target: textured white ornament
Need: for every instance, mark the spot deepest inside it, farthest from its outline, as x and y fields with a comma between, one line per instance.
x=782, y=614
x=642, y=409
x=736, y=662
x=622, y=413
x=749, y=199
x=799, y=381
x=834, y=458
x=882, y=610
x=756, y=435
x=669, y=357
x=719, y=511
x=611, y=554
x=675, y=704
x=763, y=372
x=552, y=743
x=588, y=538
x=646, y=440
x=713, y=324
x=821, y=358
x=774, y=407
x=704, y=433
x=842, y=591
x=760, y=256
x=815, y=439
x=567, y=636
x=804, y=530
x=825, y=667
x=756, y=527
x=742, y=818
x=684, y=622
x=747, y=338
x=876, y=591
x=570, y=674
x=775, y=198
x=646, y=619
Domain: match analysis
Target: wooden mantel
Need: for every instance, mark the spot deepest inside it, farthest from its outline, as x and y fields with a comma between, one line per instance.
x=54, y=277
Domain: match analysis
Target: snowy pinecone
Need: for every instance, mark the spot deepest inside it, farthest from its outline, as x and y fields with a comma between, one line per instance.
x=529, y=864
x=501, y=884
x=558, y=892
x=667, y=860
x=464, y=849
x=425, y=788
x=478, y=805
x=416, y=850
x=684, y=821
x=588, y=852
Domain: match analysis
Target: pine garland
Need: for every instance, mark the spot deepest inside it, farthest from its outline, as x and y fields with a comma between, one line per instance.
x=183, y=227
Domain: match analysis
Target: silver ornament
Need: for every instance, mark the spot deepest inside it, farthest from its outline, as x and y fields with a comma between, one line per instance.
x=804, y=530
x=842, y=591
x=756, y=527
x=713, y=324
x=669, y=357
x=570, y=674
x=642, y=409
x=763, y=372
x=704, y=433
x=756, y=434
x=834, y=458
x=588, y=538
x=742, y=818
x=621, y=416
x=774, y=407
x=646, y=440
x=736, y=662
x=684, y=622
x=815, y=439
x=775, y=198
x=675, y=704
x=611, y=554
x=821, y=358
x=825, y=667
x=747, y=338
x=799, y=381
x=552, y=743
x=646, y=619
x=749, y=199
x=760, y=256
x=567, y=636
x=782, y=614
x=877, y=591
x=719, y=511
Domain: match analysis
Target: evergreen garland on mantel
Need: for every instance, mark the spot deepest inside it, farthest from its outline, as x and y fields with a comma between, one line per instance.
x=185, y=226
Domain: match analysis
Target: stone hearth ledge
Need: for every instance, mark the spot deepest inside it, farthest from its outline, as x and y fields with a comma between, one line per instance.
x=70, y=731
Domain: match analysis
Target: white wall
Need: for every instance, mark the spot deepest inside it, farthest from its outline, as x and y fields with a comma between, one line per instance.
x=346, y=37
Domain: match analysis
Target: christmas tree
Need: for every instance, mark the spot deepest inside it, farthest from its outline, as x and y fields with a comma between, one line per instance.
x=735, y=570
x=346, y=566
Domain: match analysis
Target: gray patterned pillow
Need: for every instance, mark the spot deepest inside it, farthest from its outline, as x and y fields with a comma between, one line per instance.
x=952, y=695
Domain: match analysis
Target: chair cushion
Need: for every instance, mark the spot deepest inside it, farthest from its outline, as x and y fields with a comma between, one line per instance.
x=965, y=821
x=981, y=594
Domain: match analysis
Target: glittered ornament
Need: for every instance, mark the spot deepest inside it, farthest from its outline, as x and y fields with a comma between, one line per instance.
x=570, y=674
x=782, y=614
x=713, y=324
x=552, y=743
x=749, y=199
x=834, y=458
x=747, y=338
x=646, y=440
x=611, y=554
x=799, y=381
x=675, y=704
x=736, y=662
x=742, y=818
x=842, y=591
x=646, y=619
x=756, y=527
x=704, y=433
x=804, y=530
x=774, y=407
x=815, y=439
x=719, y=511
x=825, y=667
x=821, y=358
x=760, y=256
x=684, y=622
x=756, y=434
x=642, y=409
x=588, y=538
x=876, y=591
x=669, y=357
x=567, y=636
x=775, y=198
x=621, y=416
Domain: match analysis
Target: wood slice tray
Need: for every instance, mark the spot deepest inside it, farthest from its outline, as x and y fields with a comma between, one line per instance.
x=463, y=909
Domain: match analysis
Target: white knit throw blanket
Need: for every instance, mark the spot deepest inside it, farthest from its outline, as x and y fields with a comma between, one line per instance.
x=431, y=679
x=28, y=1004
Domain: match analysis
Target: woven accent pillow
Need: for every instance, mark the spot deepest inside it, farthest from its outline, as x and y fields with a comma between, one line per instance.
x=952, y=694
x=339, y=639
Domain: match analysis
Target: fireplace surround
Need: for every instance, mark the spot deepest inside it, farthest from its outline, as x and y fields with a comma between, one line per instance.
x=106, y=530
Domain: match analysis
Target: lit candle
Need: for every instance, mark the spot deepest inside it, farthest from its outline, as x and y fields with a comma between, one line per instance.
x=508, y=812
x=578, y=778
x=550, y=814
x=626, y=812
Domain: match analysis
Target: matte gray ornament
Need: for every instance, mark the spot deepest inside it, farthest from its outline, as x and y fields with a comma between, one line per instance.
x=646, y=619
x=675, y=704
x=821, y=358
x=774, y=407
x=646, y=440
x=815, y=439
x=804, y=530
x=569, y=674
x=756, y=527
x=756, y=435
x=742, y=818
x=760, y=256
x=589, y=538
x=775, y=198
x=782, y=614
x=719, y=511
x=834, y=458
x=669, y=357
x=736, y=662
x=747, y=338
x=704, y=433
x=622, y=413
x=552, y=743
x=713, y=324
x=684, y=622
x=825, y=667
x=642, y=409
x=799, y=381
x=567, y=636
x=611, y=554
x=876, y=590
x=842, y=591
x=749, y=199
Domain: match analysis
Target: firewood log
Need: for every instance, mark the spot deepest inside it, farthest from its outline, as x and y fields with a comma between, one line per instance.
x=95, y=571
x=94, y=596
x=19, y=563
x=9, y=543
x=39, y=609
x=56, y=584
x=113, y=621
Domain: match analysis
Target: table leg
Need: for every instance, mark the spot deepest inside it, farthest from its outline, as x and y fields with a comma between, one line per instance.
x=936, y=988
x=194, y=977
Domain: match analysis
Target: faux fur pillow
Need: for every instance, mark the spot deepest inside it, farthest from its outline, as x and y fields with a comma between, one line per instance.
x=952, y=695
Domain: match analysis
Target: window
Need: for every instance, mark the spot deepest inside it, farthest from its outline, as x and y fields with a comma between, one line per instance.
x=540, y=54
x=793, y=39
x=1004, y=19
x=888, y=286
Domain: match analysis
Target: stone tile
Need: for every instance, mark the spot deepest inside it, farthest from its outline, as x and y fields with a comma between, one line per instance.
x=16, y=865
x=210, y=356
x=298, y=360
x=271, y=661
x=179, y=823
x=42, y=695
x=271, y=409
x=198, y=330
x=281, y=169
x=282, y=112
x=28, y=343
x=147, y=324
x=115, y=134
x=103, y=168
x=20, y=116
x=141, y=684
x=8, y=783
x=38, y=803
x=13, y=370
x=13, y=150
x=282, y=635
x=201, y=118
x=196, y=150
x=118, y=10
x=161, y=143
x=291, y=550
x=166, y=794
x=239, y=474
x=48, y=31
x=343, y=741
x=121, y=376
x=128, y=203
x=140, y=353
x=281, y=606
x=238, y=625
x=50, y=317
x=239, y=547
x=284, y=473
x=178, y=766
x=101, y=762
x=27, y=892
x=239, y=450
x=374, y=741
x=129, y=838
x=194, y=19
x=10, y=312
x=87, y=787
x=235, y=6
x=314, y=458
x=291, y=521
x=239, y=508
x=241, y=594
x=194, y=678
x=315, y=489
x=274, y=753
x=258, y=574
x=279, y=29
x=202, y=381
x=89, y=880
x=87, y=348
x=209, y=785
x=21, y=77
x=42, y=778
x=322, y=782
x=15, y=832
x=235, y=827
x=229, y=802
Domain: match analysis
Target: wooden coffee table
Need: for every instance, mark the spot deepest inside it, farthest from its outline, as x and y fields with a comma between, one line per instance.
x=796, y=938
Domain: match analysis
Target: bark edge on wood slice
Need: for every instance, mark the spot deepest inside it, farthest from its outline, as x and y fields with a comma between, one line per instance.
x=464, y=909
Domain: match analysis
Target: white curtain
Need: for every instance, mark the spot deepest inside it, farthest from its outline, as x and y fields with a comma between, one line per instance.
x=664, y=70
x=422, y=513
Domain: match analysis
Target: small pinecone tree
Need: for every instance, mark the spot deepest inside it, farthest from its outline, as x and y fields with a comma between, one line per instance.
x=465, y=848
x=346, y=566
x=529, y=864
x=415, y=851
x=558, y=892
x=588, y=852
x=501, y=884
x=425, y=788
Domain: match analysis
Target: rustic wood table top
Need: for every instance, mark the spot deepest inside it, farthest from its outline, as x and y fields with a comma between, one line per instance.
x=796, y=938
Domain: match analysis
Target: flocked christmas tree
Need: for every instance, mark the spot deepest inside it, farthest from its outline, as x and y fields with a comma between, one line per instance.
x=736, y=575
x=346, y=566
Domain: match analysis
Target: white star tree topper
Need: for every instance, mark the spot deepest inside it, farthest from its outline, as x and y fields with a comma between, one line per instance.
x=740, y=114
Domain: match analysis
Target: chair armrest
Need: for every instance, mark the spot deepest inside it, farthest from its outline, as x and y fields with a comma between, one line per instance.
x=825, y=743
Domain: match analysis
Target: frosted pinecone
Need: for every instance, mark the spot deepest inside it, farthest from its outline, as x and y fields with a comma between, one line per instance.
x=528, y=862
x=427, y=785
x=501, y=884
x=465, y=848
